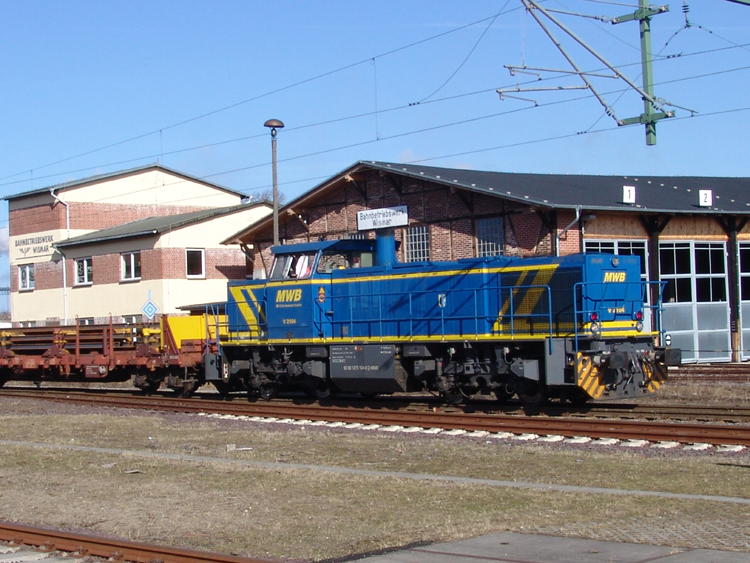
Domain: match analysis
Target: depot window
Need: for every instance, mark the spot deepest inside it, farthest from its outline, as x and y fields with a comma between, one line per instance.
x=130, y=263
x=693, y=271
x=418, y=243
x=490, y=237
x=196, y=262
x=26, y=277
x=84, y=271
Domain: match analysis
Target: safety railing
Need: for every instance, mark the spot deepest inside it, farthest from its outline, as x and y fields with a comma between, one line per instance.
x=609, y=307
x=459, y=313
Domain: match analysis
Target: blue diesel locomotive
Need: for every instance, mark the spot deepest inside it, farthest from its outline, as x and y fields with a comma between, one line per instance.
x=345, y=316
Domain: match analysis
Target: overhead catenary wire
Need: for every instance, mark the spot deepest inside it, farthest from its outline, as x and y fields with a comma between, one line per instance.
x=289, y=130
x=258, y=97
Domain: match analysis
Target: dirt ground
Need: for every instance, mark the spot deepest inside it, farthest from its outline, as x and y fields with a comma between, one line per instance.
x=135, y=485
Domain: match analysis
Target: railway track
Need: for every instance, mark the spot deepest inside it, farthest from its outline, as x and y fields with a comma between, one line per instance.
x=212, y=402
x=620, y=429
x=82, y=545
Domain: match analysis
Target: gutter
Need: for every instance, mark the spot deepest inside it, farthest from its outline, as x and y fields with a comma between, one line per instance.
x=566, y=229
x=65, y=267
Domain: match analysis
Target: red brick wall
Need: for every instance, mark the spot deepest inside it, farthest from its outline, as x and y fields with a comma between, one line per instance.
x=449, y=212
x=93, y=216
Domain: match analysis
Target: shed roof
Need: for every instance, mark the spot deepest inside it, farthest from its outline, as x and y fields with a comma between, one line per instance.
x=120, y=174
x=153, y=225
x=653, y=194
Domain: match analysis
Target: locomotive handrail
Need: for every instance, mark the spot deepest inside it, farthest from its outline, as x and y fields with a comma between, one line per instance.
x=483, y=321
x=511, y=307
x=604, y=300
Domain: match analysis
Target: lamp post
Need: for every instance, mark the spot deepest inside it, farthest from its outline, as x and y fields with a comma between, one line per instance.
x=274, y=124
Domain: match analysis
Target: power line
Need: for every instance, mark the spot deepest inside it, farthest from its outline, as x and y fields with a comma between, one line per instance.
x=362, y=115
x=259, y=96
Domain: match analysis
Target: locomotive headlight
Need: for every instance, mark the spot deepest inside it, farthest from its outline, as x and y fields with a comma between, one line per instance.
x=639, y=326
x=615, y=261
x=596, y=329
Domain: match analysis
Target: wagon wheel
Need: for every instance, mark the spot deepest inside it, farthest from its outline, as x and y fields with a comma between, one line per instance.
x=188, y=388
x=152, y=386
x=533, y=394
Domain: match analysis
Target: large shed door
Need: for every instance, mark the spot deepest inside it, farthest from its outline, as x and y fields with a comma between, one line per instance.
x=745, y=299
x=696, y=304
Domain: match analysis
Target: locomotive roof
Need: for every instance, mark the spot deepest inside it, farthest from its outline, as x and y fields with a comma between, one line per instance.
x=343, y=244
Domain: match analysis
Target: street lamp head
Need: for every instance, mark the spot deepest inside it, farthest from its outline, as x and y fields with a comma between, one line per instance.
x=274, y=124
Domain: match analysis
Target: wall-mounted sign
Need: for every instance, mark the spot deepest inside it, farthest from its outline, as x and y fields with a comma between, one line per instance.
x=31, y=247
x=382, y=218
x=705, y=198
x=628, y=194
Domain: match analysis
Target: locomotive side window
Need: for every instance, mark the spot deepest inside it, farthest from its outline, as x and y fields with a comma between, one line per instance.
x=338, y=260
x=331, y=261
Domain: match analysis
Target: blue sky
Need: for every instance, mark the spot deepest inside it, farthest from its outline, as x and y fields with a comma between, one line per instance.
x=190, y=84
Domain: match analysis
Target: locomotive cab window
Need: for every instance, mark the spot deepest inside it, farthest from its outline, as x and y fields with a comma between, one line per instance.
x=339, y=260
x=293, y=266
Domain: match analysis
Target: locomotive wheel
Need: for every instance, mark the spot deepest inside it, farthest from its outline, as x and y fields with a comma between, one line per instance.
x=533, y=395
x=454, y=397
x=501, y=395
x=324, y=391
x=268, y=392
x=578, y=398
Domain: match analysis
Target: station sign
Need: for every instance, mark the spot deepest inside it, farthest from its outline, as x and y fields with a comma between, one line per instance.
x=382, y=218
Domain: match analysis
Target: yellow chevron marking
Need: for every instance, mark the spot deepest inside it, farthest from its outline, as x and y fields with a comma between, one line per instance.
x=588, y=376
x=530, y=299
x=655, y=376
x=245, y=309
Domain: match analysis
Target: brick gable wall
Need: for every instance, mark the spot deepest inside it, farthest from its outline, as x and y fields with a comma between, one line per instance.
x=89, y=216
x=450, y=213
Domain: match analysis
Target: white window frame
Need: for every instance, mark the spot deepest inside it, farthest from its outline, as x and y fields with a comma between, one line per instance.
x=202, y=275
x=418, y=243
x=88, y=271
x=130, y=260
x=26, y=283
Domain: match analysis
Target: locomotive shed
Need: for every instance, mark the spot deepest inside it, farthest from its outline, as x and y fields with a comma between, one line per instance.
x=142, y=476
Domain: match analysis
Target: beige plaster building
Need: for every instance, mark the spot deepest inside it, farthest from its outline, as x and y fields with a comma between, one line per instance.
x=131, y=244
